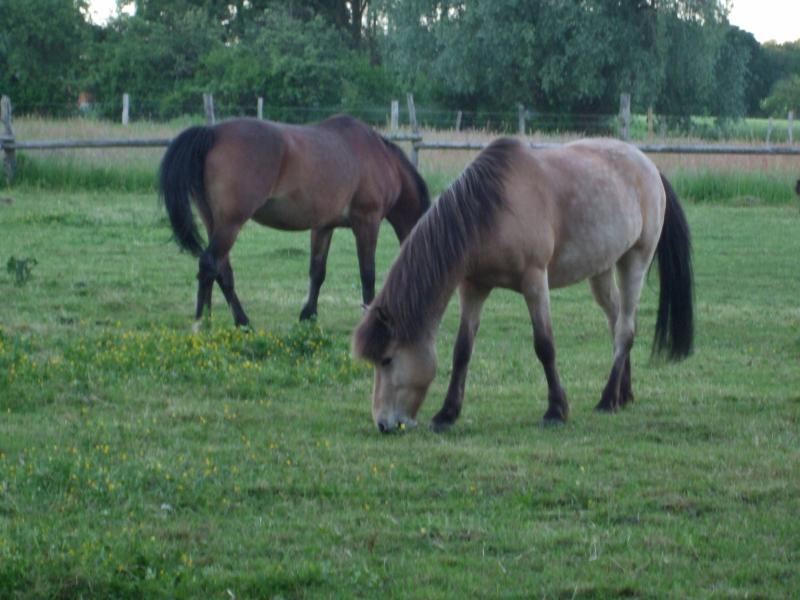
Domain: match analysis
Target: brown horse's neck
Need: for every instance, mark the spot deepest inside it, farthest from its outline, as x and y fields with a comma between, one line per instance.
x=406, y=212
x=413, y=200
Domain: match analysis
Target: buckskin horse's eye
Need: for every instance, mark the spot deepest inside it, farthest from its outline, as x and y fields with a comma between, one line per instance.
x=385, y=362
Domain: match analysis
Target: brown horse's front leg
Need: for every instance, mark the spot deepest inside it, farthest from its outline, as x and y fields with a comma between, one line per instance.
x=366, y=233
x=472, y=299
x=320, y=244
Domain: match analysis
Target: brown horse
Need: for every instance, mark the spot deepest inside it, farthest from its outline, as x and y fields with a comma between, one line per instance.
x=337, y=173
x=530, y=220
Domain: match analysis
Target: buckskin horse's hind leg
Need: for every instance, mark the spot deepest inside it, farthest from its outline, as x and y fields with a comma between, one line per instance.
x=606, y=293
x=320, y=244
x=631, y=270
x=537, y=296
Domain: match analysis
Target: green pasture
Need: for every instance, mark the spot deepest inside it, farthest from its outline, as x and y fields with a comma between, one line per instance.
x=139, y=460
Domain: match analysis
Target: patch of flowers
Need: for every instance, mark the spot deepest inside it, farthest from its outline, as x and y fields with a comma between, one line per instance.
x=224, y=356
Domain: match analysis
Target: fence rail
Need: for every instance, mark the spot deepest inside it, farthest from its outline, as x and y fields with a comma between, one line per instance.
x=10, y=144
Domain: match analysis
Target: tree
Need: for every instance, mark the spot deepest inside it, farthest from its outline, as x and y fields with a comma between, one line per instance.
x=785, y=96
x=560, y=56
x=156, y=62
x=41, y=42
x=296, y=62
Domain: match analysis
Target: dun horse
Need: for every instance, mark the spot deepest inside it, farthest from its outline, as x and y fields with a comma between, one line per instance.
x=530, y=220
x=337, y=173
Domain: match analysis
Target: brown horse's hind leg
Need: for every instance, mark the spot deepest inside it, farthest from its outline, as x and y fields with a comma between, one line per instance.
x=320, y=244
x=225, y=281
x=472, y=299
x=537, y=296
x=214, y=265
x=366, y=233
x=631, y=270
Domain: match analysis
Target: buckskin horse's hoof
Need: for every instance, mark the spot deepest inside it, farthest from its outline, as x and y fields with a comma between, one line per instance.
x=441, y=425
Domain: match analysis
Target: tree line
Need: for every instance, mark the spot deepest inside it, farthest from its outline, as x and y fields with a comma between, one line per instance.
x=680, y=57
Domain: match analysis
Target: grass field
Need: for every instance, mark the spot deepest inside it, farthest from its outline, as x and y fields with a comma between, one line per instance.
x=138, y=460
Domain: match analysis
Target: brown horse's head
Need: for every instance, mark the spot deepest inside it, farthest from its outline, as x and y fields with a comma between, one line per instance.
x=403, y=371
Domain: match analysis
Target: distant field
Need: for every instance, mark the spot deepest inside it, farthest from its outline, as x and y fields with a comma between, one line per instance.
x=138, y=460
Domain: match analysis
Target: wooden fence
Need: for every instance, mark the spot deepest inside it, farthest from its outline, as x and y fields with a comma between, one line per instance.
x=10, y=144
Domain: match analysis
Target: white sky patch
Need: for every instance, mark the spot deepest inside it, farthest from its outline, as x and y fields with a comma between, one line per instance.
x=100, y=11
x=768, y=20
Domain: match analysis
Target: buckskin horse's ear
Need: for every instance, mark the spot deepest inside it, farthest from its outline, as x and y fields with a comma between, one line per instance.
x=383, y=316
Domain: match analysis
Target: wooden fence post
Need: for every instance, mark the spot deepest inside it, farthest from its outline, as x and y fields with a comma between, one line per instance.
x=260, y=108
x=126, y=108
x=9, y=159
x=458, y=120
x=790, y=117
x=208, y=108
x=769, y=129
x=625, y=116
x=395, y=112
x=521, y=119
x=412, y=112
x=650, y=123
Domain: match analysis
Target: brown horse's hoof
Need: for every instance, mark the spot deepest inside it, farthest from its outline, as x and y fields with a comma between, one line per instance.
x=605, y=406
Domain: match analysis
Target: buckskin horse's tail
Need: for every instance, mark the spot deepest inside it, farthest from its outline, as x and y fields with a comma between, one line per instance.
x=181, y=179
x=675, y=322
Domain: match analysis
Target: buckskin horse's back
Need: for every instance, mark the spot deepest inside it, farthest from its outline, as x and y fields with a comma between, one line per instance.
x=575, y=210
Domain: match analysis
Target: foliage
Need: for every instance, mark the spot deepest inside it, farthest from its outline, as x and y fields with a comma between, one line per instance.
x=40, y=48
x=679, y=56
x=153, y=60
x=785, y=96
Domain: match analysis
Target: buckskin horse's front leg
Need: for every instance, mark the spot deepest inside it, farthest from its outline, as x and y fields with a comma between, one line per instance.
x=537, y=296
x=472, y=298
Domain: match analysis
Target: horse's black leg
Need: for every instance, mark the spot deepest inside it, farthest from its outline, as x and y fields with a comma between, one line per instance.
x=225, y=281
x=320, y=244
x=206, y=274
x=215, y=266
x=472, y=299
x=366, y=233
x=537, y=296
x=606, y=293
x=625, y=386
x=631, y=270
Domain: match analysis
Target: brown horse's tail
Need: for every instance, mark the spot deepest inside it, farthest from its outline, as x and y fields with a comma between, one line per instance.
x=675, y=322
x=180, y=179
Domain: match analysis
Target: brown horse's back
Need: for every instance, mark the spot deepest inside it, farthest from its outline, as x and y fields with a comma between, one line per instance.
x=299, y=177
